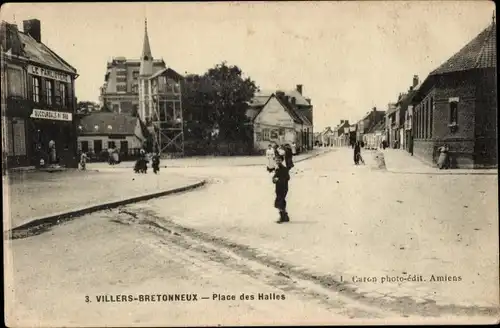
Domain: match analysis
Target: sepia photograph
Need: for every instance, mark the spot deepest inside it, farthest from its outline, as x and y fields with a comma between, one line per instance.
x=249, y=163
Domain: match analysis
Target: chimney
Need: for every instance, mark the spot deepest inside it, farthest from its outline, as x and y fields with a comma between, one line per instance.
x=342, y=121
x=293, y=100
x=415, y=80
x=374, y=109
x=32, y=27
x=299, y=88
x=280, y=95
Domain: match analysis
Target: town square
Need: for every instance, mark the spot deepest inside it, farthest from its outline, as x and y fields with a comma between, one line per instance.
x=203, y=175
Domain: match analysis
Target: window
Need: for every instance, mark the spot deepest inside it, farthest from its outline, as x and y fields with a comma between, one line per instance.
x=135, y=88
x=124, y=147
x=63, y=94
x=265, y=134
x=453, y=112
x=135, y=74
x=431, y=114
x=49, y=92
x=15, y=82
x=116, y=108
x=98, y=146
x=258, y=136
x=121, y=88
x=85, y=146
x=35, y=86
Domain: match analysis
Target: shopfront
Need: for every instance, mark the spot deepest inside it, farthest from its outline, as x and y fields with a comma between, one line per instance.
x=53, y=138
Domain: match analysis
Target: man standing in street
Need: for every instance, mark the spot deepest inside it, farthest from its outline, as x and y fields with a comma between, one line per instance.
x=280, y=180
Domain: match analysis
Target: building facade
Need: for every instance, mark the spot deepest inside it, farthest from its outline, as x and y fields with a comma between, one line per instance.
x=38, y=100
x=124, y=79
x=302, y=106
x=371, y=119
x=100, y=131
x=457, y=106
x=279, y=122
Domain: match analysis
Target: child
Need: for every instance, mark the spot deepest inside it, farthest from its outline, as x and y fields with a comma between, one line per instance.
x=270, y=158
x=83, y=161
x=280, y=180
x=155, y=162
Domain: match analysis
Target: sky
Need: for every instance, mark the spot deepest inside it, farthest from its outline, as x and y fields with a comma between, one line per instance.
x=349, y=56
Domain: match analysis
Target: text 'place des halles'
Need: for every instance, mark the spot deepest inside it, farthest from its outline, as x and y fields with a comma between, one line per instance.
x=147, y=183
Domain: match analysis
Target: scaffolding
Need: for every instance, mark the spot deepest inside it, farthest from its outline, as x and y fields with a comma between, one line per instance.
x=166, y=113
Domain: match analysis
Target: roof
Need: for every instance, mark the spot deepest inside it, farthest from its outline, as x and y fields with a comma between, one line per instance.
x=252, y=113
x=123, y=124
x=169, y=72
x=146, y=48
x=261, y=97
x=40, y=53
x=481, y=52
x=380, y=126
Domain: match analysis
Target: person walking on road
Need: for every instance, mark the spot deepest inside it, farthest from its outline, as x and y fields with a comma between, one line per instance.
x=288, y=157
x=155, y=162
x=280, y=180
x=270, y=156
x=357, y=154
x=294, y=148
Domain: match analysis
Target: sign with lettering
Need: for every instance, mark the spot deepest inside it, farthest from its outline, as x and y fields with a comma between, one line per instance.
x=48, y=73
x=51, y=115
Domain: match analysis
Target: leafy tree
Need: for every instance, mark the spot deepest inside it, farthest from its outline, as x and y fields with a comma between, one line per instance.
x=218, y=100
x=105, y=108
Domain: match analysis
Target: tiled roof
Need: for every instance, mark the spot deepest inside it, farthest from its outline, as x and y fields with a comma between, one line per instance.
x=123, y=124
x=261, y=98
x=40, y=53
x=481, y=52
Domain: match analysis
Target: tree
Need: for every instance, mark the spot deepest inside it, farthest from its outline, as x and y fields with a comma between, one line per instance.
x=105, y=108
x=218, y=98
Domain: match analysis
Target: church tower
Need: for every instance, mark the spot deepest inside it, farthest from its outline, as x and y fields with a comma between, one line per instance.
x=146, y=71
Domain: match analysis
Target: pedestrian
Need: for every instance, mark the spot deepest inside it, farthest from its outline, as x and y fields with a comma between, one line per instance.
x=155, y=162
x=443, y=161
x=294, y=148
x=357, y=153
x=270, y=155
x=280, y=180
x=288, y=157
x=83, y=161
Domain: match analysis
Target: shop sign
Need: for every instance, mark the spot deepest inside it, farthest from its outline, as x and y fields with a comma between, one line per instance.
x=51, y=115
x=48, y=73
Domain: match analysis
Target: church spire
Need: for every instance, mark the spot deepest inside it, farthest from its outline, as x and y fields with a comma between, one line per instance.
x=146, y=49
x=146, y=58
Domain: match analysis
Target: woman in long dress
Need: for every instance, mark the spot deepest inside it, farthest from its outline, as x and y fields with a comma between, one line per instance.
x=270, y=155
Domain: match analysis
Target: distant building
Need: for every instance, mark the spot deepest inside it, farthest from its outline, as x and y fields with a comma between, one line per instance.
x=341, y=135
x=457, y=105
x=301, y=105
x=279, y=121
x=100, y=131
x=371, y=119
x=38, y=100
x=120, y=91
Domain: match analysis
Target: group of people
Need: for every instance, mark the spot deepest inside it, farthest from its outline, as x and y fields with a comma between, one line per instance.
x=141, y=165
x=280, y=161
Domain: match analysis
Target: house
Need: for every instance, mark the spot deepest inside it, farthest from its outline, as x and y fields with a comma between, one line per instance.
x=375, y=136
x=371, y=119
x=342, y=130
x=99, y=131
x=302, y=106
x=38, y=100
x=456, y=105
x=326, y=138
x=397, y=115
x=280, y=122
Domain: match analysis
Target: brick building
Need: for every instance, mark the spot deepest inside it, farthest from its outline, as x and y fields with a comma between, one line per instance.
x=457, y=105
x=38, y=101
x=371, y=119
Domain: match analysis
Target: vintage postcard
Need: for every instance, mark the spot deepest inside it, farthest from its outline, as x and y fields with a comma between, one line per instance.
x=250, y=163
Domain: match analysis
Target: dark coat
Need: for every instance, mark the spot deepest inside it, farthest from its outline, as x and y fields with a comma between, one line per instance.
x=281, y=186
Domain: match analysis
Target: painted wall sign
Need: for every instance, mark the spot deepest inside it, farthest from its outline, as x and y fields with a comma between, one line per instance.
x=51, y=115
x=48, y=73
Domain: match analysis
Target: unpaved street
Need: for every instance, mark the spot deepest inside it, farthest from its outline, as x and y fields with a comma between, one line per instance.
x=351, y=227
